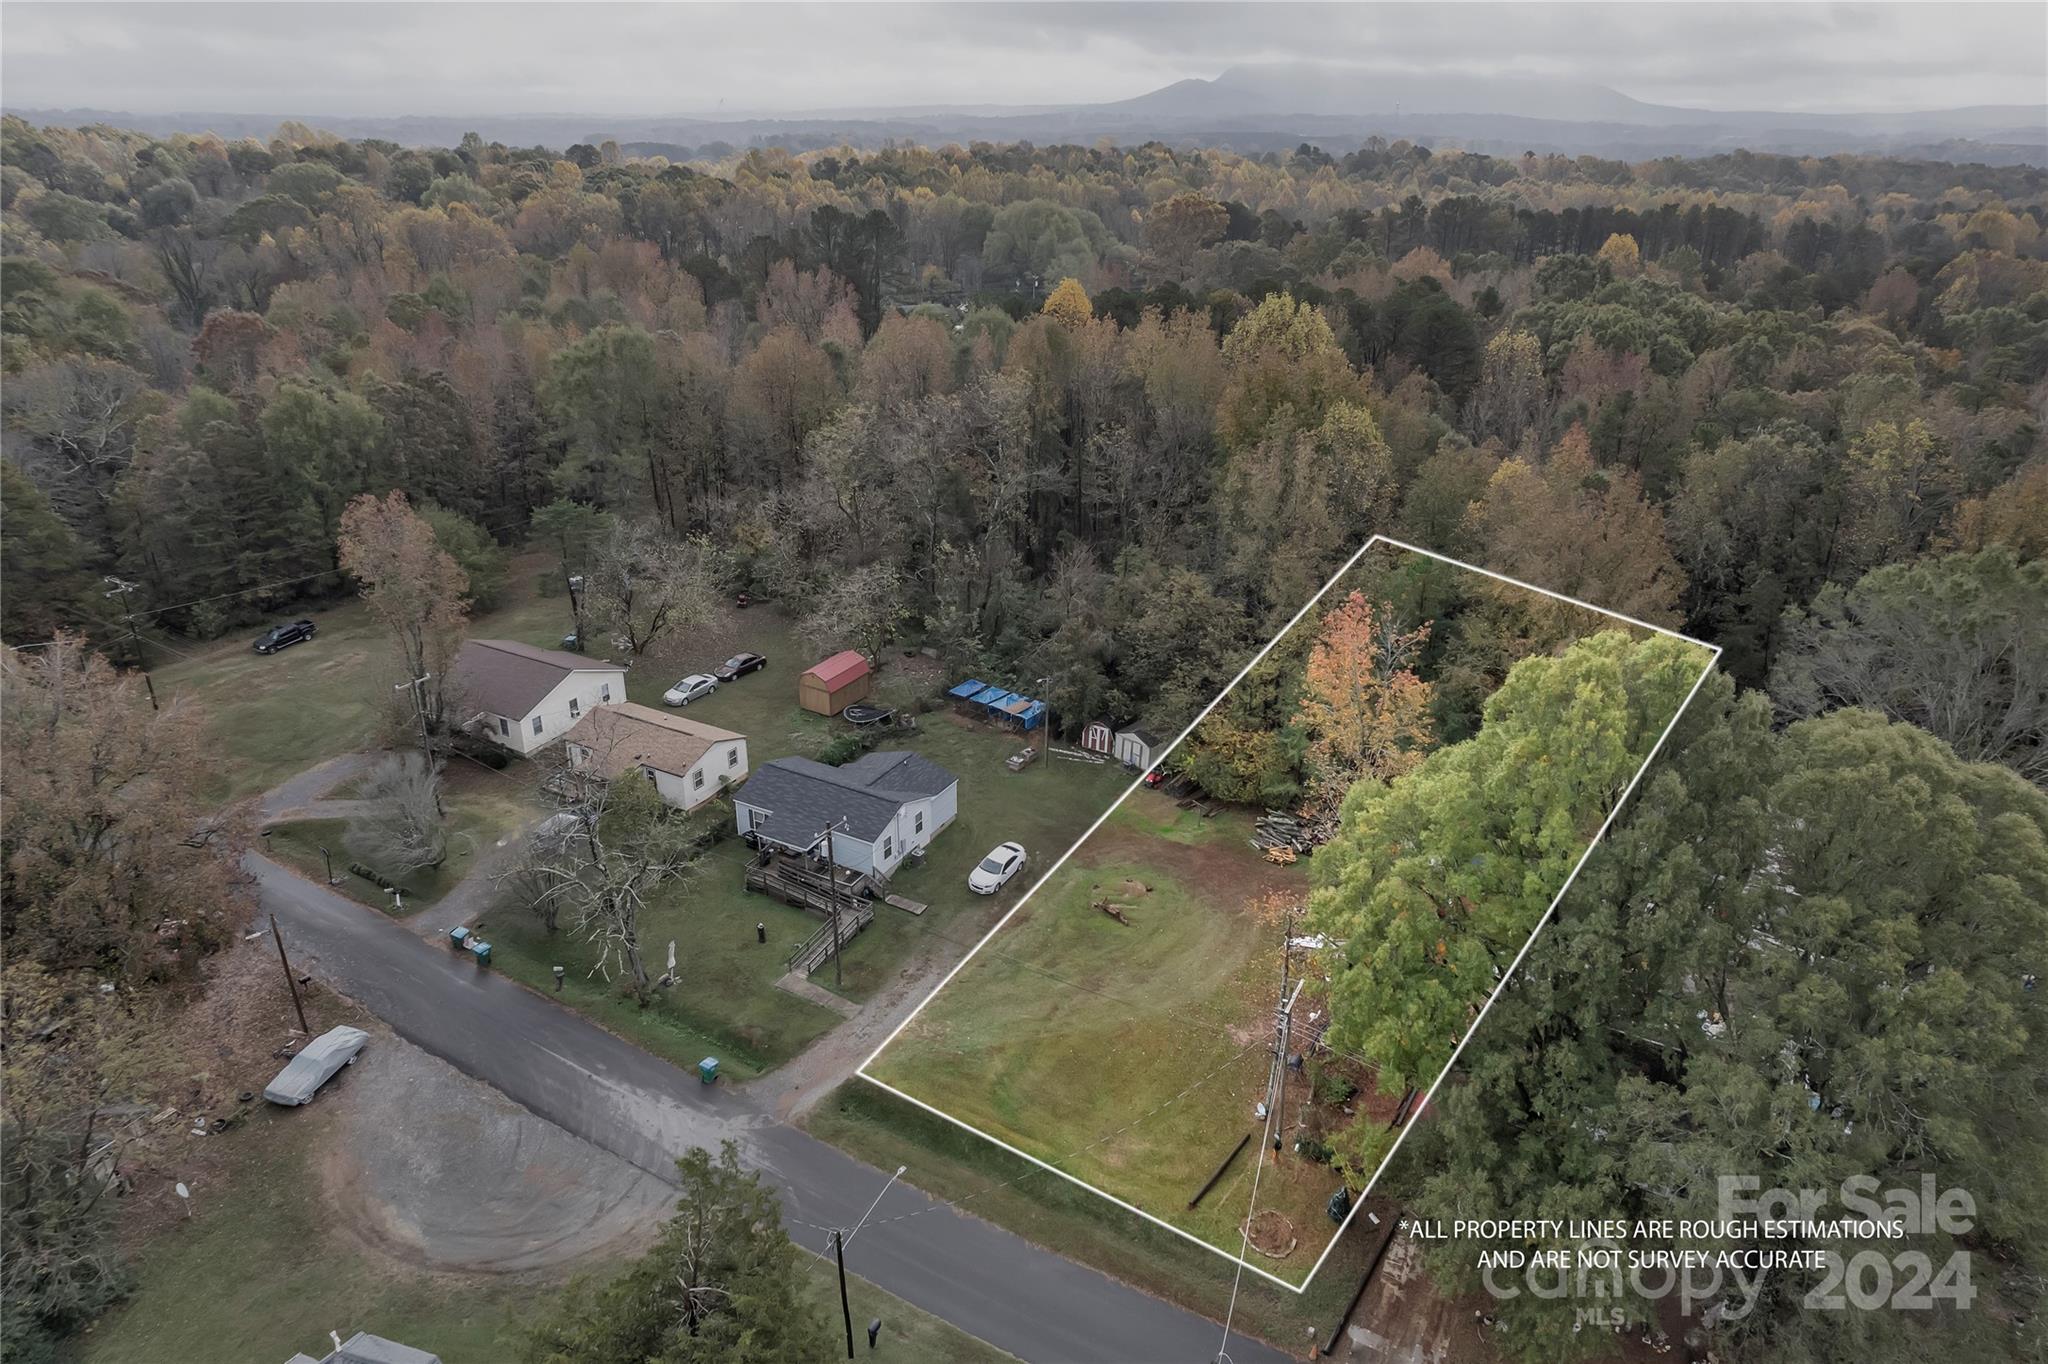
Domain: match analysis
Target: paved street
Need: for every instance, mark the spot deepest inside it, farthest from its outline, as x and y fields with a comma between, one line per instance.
x=1029, y=1301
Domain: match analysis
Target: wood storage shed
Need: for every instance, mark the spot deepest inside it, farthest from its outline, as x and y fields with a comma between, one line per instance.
x=835, y=683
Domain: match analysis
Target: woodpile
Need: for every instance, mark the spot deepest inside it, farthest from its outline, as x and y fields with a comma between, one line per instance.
x=1297, y=835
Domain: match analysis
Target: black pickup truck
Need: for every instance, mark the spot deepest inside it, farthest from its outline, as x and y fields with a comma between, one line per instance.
x=284, y=636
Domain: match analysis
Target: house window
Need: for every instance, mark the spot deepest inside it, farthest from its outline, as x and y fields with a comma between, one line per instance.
x=697, y=779
x=504, y=726
x=888, y=848
x=604, y=691
x=536, y=724
x=575, y=709
x=732, y=757
x=920, y=821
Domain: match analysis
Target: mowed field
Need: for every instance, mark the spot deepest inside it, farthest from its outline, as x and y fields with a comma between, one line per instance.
x=1131, y=1056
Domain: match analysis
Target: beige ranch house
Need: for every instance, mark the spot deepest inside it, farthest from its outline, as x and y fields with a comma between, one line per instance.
x=688, y=762
x=526, y=698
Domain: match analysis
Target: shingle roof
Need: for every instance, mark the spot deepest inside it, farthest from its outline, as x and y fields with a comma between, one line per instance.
x=364, y=1348
x=505, y=677
x=629, y=735
x=801, y=797
x=906, y=773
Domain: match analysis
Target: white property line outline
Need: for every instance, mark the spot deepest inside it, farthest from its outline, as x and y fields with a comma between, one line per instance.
x=1507, y=976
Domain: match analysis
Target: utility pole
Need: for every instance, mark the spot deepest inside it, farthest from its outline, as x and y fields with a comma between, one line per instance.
x=845, y=1310
x=121, y=589
x=291, y=981
x=832, y=880
x=1283, y=1027
x=419, y=710
x=839, y=1252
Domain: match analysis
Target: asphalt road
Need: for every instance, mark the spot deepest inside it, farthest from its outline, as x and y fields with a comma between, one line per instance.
x=1037, y=1305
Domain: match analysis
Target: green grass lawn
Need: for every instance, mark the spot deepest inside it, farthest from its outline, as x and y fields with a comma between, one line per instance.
x=271, y=717
x=949, y=1162
x=1131, y=1055
x=483, y=807
x=726, y=1003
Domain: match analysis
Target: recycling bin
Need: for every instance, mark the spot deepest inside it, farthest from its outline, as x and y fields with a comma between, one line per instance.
x=707, y=1070
x=481, y=950
x=458, y=937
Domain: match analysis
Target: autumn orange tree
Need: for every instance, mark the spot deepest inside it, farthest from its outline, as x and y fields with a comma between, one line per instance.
x=1365, y=711
x=413, y=587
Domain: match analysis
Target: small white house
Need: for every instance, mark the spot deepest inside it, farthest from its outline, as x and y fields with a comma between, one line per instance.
x=1097, y=736
x=688, y=762
x=879, y=809
x=526, y=698
x=1136, y=748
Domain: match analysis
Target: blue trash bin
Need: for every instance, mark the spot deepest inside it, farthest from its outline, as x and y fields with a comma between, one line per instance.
x=481, y=950
x=458, y=937
x=707, y=1070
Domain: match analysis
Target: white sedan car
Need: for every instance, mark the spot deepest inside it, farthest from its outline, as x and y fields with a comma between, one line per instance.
x=315, y=1065
x=996, y=869
x=689, y=689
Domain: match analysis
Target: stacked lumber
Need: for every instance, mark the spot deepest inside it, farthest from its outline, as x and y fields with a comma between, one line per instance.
x=1299, y=835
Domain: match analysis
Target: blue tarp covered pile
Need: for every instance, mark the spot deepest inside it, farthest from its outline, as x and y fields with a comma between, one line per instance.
x=1006, y=707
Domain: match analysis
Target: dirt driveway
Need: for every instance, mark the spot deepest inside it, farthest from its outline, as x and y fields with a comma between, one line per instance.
x=439, y=1170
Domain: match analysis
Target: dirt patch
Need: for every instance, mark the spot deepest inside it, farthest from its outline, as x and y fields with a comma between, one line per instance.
x=435, y=1169
x=1272, y=1234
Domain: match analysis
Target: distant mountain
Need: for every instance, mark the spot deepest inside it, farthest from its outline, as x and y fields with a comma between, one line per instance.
x=1296, y=88
x=1250, y=108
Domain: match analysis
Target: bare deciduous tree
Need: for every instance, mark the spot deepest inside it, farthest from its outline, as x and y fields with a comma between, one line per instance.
x=643, y=584
x=404, y=831
x=598, y=878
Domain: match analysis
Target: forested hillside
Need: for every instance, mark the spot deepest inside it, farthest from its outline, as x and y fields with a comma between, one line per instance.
x=1701, y=391
x=1094, y=422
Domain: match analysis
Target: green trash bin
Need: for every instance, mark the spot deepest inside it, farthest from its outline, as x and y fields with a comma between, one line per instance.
x=707, y=1070
x=459, y=937
x=481, y=950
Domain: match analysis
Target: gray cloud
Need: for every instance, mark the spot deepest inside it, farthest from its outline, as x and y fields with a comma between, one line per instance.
x=376, y=59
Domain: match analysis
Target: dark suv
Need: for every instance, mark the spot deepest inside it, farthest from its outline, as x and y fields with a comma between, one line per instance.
x=284, y=636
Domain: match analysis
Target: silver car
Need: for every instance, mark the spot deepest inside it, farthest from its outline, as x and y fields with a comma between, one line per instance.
x=315, y=1065
x=689, y=689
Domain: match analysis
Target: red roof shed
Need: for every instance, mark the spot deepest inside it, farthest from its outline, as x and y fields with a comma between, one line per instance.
x=834, y=684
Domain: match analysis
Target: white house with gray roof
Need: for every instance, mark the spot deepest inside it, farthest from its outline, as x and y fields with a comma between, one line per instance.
x=526, y=698
x=881, y=808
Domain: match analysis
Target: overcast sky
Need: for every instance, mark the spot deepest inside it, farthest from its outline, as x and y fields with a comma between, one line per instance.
x=451, y=59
